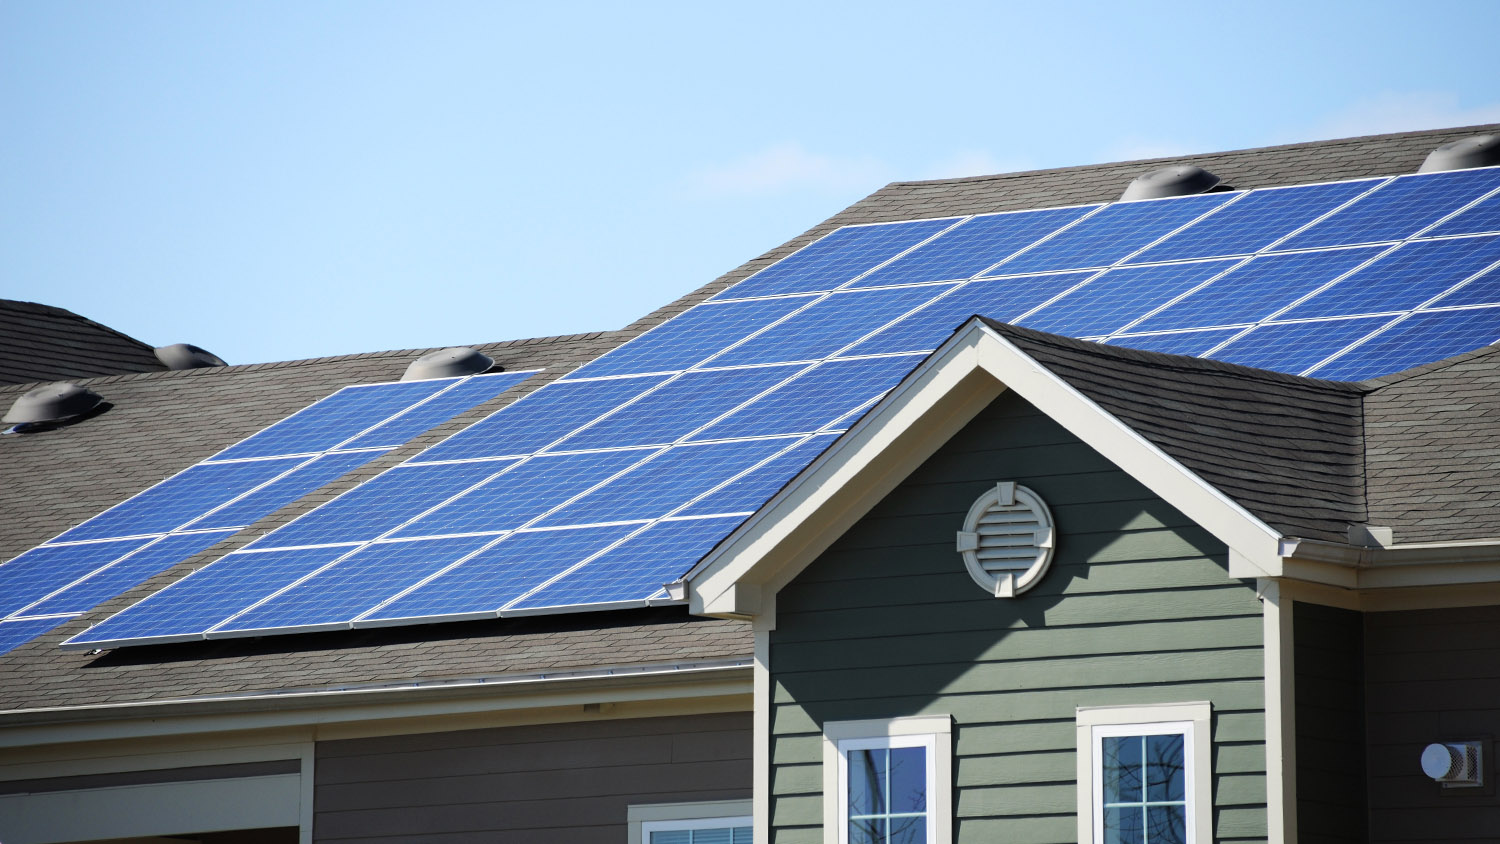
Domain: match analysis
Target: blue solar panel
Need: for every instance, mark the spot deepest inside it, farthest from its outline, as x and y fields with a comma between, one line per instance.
x=973, y=247
x=1483, y=217
x=813, y=399
x=1403, y=279
x=1191, y=343
x=836, y=259
x=14, y=634
x=328, y=422
x=539, y=418
x=187, y=608
x=637, y=568
x=355, y=584
x=463, y=396
x=689, y=338
x=1483, y=290
x=129, y=572
x=1423, y=338
x=1111, y=301
x=1254, y=291
x=830, y=325
x=525, y=492
x=755, y=487
x=660, y=486
x=1254, y=222
x=378, y=505
x=285, y=489
x=1398, y=209
x=1297, y=346
x=481, y=585
x=41, y=571
x=1112, y=234
x=679, y=408
x=180, y=498
x=1003, y=299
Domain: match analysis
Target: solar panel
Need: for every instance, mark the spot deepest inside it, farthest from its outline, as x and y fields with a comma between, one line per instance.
x=127, y=572
x=42, y=571
x=324, y=424
x=13, y=634
x=595, y=490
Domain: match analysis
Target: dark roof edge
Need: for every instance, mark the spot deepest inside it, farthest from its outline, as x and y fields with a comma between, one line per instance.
x=53, y=310
x=1428, y=368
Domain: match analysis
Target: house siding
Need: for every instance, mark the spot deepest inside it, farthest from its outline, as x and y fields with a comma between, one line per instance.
x=1330, y=724
x=1137, y=608
x=560, y=783
x=1431, y=675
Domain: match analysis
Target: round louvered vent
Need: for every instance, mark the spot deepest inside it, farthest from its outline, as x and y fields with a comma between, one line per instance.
x=1007, y=540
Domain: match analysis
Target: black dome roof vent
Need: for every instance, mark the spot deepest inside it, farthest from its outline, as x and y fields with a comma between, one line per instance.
x=448, y=363
x=187, y=356
x=51, y=404
x=1176, y=180
x=1475, y=151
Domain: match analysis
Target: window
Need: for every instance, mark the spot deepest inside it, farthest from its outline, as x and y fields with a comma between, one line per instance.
x=1143, y=774
x=888, y=781
x=717, y=822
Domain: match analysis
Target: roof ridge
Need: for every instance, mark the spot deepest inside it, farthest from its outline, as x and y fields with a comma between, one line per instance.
x=1429, y=368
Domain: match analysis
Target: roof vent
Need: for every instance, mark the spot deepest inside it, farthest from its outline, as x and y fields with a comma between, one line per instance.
x=50, y=404
x=187, y=356
x=1177, y=180
x=1007, y=540
x=448, y=363
x=1476, y=151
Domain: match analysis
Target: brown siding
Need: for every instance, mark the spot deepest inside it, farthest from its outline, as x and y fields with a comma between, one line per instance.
x=1330, y=719
x=563, y=783
x=1432, y=675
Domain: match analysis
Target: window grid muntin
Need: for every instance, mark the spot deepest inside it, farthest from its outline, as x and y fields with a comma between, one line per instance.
x=925, y=741
x=1103, y=731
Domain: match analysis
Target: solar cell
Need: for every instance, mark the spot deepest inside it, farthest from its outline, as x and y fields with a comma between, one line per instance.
x=285, y=489
x=1254, y=291
x=661, y=485
x=1482, y=290
x=1254, y=222
x=1483, y=217
x=746, y=493
x=41, y=571
x=831, y=324
x=479, y=586
x=635, y=569
x=189, y=607
x=972, y=247
x=1295, y=347
x=537, y=419
x=129, y=572
x=180, y=498
x=382, y=503
x=1403, y=279
x=326, y=423
x=1398, y=209
x=14, y=634
x=1004, y=299
x=692, y=336
x=678, y=408
x=1193, y=343
x=1111, y=301
x=1423, y=338
x=813, y=399
x=836, y=258
x=334, y=596
x=1112, y=234
x=528, y=490
x=461, y=397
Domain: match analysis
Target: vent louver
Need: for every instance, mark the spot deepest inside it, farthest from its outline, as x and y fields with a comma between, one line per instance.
x=1007, y=540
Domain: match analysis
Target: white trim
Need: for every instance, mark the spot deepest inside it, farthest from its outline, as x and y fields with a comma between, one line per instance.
x=761, y=724
x=1281, y=713
x=1193, y=719
x=933, y=732
x=644, y=819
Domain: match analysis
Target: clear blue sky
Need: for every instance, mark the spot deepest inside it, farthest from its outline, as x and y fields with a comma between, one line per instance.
x=282, y=180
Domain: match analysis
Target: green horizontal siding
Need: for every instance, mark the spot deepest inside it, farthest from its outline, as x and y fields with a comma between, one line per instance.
x=1137, y=608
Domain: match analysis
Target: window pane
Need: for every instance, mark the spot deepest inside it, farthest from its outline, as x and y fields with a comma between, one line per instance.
x=1123, y=825
x=867, y=782
x=908, y=779
x=1166, y=825
x=1164, y=768
x=1122, y=769
x=675, y=836
x=909, y=830
x=866, y=831
x=743, y=835
x=712, y=836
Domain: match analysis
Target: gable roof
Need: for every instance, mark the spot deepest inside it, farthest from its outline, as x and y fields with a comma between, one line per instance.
x=43, y=343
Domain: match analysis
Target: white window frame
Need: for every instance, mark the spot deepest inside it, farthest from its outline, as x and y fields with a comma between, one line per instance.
x=1193, y=721
x=932, y=732
x=647, y=818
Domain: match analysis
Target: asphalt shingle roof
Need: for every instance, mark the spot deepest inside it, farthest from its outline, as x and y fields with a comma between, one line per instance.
x=43, y=343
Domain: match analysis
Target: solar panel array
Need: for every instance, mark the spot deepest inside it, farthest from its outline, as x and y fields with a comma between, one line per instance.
x=595, y=490
x=211, y=501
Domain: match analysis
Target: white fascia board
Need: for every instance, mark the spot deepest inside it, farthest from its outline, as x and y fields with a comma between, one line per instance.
x=1393, y=566
x=957, y=381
